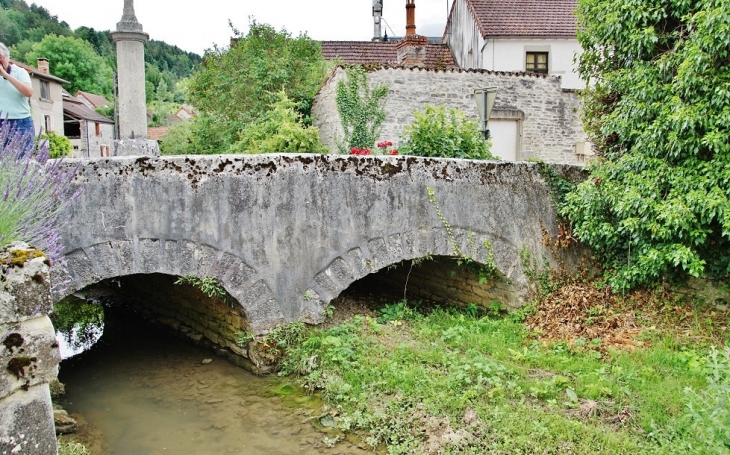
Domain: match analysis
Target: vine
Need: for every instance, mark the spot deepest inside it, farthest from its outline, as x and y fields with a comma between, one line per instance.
x=361, y=109
x=486, y=270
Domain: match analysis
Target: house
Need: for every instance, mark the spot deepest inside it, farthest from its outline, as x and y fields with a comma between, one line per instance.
x=91, y=134
x=46, y=104
x=92, y=100
x=516, y=35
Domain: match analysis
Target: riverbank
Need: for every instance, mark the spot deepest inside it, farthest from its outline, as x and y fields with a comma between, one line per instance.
x=584, y=372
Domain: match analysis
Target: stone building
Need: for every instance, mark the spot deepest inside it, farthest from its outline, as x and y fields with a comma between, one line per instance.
x=47, y=102
x=516, y=35
x=533, y=117
x=91, y=134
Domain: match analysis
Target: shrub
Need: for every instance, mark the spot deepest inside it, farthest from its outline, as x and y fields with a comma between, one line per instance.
x=280, y=130
x=33, y=191
x=58, y=146
x=361, y=110
x=448, y=134
x=656, y=205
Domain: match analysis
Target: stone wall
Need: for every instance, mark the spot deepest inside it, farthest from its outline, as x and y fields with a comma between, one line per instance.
x=29, y=353
x=549, y=116
x=211, y=322
x=442, y=280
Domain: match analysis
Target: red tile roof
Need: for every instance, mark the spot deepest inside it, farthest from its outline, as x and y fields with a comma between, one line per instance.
x=38, y=73
x=383, y=52
x=95, y=100
x=545, y=18
x=78, y=110
x=157, y=132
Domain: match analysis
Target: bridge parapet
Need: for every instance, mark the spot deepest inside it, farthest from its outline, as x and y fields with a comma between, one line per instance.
x=286, y=233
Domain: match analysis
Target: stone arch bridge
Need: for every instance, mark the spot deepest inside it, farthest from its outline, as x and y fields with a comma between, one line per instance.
x=286, y=233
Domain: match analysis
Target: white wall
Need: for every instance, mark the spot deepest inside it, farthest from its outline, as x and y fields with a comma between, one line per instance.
x=509, y=55
x=463, y=37
x=53, y=107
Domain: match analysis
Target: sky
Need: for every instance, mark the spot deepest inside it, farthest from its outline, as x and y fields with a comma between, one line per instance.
x=195, y=29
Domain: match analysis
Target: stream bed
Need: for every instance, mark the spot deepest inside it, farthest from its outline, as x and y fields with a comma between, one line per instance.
x=147, y=393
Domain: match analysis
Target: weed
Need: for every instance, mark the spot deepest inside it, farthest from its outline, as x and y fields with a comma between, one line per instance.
x=70, y=447
x=208, y=285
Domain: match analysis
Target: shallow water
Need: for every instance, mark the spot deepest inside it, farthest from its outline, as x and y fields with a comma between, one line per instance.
x=149, y=393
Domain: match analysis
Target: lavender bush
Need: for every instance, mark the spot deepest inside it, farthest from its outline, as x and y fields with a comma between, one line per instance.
x=33, y=191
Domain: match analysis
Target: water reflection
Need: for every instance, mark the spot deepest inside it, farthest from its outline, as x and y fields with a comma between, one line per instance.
x=79, y=324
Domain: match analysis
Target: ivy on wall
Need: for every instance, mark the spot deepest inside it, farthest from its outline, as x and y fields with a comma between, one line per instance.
x=361, y=108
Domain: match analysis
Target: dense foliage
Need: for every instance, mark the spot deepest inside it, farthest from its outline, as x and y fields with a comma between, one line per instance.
x=442, y=133
x=58, y=145
x=657, y=204
x=238, y=87
x=74, y=60
x=240, y=84
x=361, y=109
x=279, y=130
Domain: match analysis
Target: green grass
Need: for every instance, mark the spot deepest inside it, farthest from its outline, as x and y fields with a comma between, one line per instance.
x=69, y=447
x=468, y=384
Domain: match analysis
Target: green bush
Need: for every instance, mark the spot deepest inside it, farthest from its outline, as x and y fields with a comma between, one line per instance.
x=58, y=146
x=657, y=108
x=280, y=130
x=448, y=134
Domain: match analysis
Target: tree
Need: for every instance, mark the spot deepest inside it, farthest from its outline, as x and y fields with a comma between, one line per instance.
x=657, y=204
x=76, y=61
x=240, y=84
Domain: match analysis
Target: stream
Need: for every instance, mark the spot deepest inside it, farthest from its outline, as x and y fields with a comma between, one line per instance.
x=141, y=391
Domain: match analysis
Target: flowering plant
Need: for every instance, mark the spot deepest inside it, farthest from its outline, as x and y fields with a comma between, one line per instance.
x=387, y=148
x=361, y=152
x=33, y=191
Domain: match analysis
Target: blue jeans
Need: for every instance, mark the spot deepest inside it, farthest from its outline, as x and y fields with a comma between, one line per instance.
x=24, y=130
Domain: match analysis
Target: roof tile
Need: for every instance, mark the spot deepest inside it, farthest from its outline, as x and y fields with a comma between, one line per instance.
x=525, y=17
x=383, y=52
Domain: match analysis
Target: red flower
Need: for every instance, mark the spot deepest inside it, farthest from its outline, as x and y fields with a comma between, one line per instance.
x=393, y=152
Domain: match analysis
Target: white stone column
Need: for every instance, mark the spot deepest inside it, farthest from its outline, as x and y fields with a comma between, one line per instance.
x=130, y=40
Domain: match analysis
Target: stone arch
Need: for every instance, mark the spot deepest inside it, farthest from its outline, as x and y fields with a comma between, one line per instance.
x=116, y=258
x=378, y=253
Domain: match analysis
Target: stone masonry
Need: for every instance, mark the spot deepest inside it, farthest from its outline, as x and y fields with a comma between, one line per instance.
x=285, y=234
x=549, y=115
x=29, y=353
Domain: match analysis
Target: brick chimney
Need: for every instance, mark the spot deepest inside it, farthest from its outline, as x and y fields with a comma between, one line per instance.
x=42, y=64
x=411, y=49
x=410, y=17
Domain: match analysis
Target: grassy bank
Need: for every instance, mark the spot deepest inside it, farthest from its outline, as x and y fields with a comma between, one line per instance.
x=459, y=381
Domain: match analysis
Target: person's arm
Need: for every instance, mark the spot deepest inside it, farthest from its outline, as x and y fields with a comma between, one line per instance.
x=25, y=88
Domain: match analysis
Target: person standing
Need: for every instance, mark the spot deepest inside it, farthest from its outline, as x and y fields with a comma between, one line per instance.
x=15, y=91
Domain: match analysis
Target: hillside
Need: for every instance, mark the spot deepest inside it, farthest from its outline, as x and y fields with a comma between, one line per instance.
x=22, y=27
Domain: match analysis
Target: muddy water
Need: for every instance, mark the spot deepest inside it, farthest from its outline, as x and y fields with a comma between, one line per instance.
x=148, y=393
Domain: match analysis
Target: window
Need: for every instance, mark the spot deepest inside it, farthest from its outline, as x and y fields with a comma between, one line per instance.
x=537, y=62
x=45, y=91
x=104, y=150
x=97, y=127
x=47, y=123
